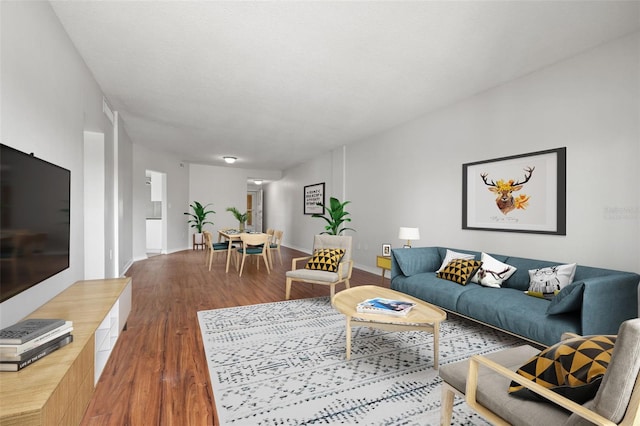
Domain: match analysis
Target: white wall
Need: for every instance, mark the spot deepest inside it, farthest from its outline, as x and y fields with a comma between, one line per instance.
x=284, y=203
x=411, y=175
x=49, y=98
x=222, y=187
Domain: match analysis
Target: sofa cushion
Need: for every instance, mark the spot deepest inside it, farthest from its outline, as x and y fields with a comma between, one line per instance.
x=547, y=282
x=417, y=260
x=325, y=259
x=569, y=299
x=454, y=255
x=511, y=309
x=431, y=289
x=459, y=270
x=573, y=368
x=492, y=273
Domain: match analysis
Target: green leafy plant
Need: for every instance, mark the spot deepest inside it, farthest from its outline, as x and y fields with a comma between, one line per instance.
x=240, y=217
x=199, y=216
x=335, y=217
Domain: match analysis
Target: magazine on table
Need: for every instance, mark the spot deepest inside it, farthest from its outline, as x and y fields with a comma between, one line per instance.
x=380, y=305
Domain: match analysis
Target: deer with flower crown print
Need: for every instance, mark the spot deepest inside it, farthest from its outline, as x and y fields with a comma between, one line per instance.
x=506, y=201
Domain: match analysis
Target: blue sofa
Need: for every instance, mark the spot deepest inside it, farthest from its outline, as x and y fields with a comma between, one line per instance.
x=597, y=302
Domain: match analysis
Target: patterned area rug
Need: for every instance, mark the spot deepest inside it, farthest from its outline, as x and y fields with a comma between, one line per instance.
x=284, y=364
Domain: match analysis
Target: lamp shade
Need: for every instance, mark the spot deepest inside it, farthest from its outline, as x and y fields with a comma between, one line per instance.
x=409, y=233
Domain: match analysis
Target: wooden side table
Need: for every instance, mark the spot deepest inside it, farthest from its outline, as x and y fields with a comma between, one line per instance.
x=383, y=262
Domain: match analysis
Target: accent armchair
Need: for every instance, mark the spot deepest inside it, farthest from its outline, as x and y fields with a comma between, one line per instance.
x=483, y=381
x=299, y=273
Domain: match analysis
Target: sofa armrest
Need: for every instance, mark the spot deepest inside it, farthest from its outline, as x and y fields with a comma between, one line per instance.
x=412, y=261
x=608, y=301
x=472, y=384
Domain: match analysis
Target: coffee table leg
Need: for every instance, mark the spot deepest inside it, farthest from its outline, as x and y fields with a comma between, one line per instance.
x=348, y=333
x=436, y=344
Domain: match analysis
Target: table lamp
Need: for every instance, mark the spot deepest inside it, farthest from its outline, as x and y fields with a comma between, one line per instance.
x=409, y=234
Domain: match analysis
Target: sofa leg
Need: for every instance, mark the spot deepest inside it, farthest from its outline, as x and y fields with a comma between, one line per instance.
x=446, y=405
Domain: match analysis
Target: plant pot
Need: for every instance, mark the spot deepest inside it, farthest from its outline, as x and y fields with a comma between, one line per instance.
x=198, y=241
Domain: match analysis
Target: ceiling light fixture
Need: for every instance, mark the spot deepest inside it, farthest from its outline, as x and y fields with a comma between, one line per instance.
x=229, y=160
x=257, y=181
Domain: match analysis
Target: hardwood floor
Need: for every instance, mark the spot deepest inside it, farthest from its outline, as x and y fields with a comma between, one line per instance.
x=157, y=373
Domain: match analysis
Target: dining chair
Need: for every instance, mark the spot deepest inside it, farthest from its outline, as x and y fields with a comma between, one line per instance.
x=274, y=245
x=254, y=245
x=212, y=248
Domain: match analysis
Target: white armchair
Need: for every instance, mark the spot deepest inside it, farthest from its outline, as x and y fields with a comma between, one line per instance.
x=483, y=381
x=342, y=275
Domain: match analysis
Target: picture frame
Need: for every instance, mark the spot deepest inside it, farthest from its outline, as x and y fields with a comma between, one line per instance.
x=386, y=250
x=313, y=194
x=520, y=193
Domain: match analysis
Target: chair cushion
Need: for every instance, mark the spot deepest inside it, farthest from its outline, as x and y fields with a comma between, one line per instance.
x=459, y=270
x=325, y=260
x=492, y=389
x=313, y=275
x=251, y=250
x=572, y=368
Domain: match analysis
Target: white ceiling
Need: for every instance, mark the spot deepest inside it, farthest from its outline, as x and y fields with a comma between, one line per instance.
x=277, y=83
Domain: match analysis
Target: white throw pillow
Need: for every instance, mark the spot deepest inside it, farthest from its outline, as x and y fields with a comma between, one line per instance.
x=492, y=273
x=453, y=255
x=549, y=281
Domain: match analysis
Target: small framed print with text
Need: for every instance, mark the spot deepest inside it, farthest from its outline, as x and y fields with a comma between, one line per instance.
x=313, y=196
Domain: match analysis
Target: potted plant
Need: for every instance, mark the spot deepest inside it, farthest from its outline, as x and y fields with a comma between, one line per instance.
x=336, y=216
x=240, y=217
x=198, y=219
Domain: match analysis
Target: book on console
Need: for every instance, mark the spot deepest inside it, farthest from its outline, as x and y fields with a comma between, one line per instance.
x=38, y=341
x=380, y=305
x=30, y=353
x=41, y=353
x=28, y=329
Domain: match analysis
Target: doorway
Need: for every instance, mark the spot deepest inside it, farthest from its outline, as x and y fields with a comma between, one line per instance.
x=155, y=213
x=254, y=209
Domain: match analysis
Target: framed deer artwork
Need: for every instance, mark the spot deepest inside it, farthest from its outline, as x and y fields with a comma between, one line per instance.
x=520, y=193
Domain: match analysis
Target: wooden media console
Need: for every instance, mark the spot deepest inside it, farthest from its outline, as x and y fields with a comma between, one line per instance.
x=56, y=389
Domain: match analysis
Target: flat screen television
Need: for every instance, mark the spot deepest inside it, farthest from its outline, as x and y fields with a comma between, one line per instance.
x=34, y=220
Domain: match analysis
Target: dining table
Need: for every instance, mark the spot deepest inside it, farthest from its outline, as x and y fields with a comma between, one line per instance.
x=232, y=235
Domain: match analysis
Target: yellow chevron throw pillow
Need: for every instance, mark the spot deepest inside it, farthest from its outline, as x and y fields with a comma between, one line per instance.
x=459, y=270
x=573, y=368
x=325, y=260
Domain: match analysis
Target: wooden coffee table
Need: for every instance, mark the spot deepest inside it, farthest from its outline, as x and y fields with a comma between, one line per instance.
x=423, y=316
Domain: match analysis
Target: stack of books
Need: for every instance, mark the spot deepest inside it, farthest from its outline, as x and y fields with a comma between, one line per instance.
x=379, y=305
x=30, y=340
